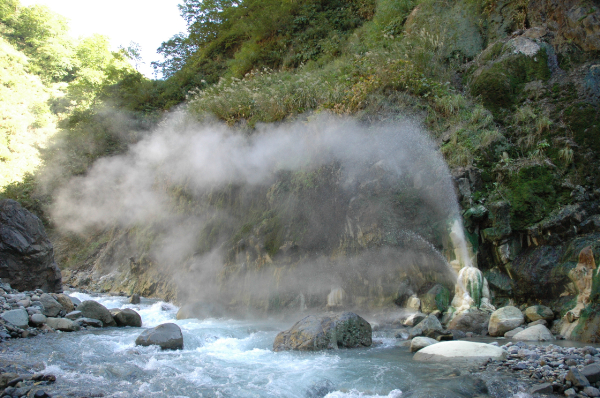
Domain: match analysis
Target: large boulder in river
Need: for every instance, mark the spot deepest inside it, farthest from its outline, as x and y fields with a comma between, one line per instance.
x=126, y=317
x=167, y=336
x=95, y=310
x=505, y=319
x=26, y=254
x=325, y=332
x=460, y=351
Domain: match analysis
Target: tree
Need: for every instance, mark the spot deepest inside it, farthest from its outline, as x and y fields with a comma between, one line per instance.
x=43, y=36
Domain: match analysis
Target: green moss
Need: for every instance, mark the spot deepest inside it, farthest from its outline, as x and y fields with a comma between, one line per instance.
x=584, y=121
x=492, y=52
x=475, y=289
x=493, y=85
x=532, y=196
x=500, y=83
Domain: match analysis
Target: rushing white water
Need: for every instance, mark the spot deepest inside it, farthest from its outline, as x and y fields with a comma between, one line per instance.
x=221, y=358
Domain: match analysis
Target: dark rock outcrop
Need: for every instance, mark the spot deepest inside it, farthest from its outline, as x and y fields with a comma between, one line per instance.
x=168, y=336
x=26, y=254
x=315, y=333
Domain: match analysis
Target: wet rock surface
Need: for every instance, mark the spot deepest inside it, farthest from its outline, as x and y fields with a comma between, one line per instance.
x=167, y=336
x=314, y=333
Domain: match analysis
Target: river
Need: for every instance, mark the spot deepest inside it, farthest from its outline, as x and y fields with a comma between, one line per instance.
x=233, y=358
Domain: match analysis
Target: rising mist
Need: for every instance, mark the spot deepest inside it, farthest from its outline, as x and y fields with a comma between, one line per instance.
x=277, y=218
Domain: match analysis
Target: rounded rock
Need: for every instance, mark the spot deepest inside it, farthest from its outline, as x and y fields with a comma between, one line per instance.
x=167, y=336
x=505, y=319
x=126, y=317
x=534, y=333
x=537, y=312
x=95, y=310
x=18, y=318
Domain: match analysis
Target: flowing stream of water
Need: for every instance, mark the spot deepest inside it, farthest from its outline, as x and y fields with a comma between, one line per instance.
x=225, y=358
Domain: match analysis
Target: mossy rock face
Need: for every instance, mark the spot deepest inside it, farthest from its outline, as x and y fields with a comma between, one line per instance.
x=461, y=34
x=501, y=226
x=505, y=69
x=584, y=121
x=532, y=195
x=588, y=326
x=494, y=87
x=538, y=275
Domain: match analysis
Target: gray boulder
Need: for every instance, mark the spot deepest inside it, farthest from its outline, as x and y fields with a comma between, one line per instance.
x=19, y=318
x=460, y=351
x=126, y=317
x=167, y=336
x=472, y=320
x=62, y=324
x=134, y=299
x=325, y=332
x=95, y=310
x=430, y=327
x=421, y=342
x=534, y=333
x=26, y=254
x=65, y=301
x=591, y=372
x=51, y=307
x=537, y=312
x=38, y=319
x=505, y=319
x=544, y=388
x=576, y=378
x=511, y=333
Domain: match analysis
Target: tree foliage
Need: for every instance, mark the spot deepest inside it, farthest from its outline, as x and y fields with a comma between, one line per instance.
x=228, y=37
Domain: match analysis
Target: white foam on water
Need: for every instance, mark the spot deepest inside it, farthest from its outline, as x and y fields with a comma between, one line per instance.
x=71, y=376
x=384, y=342
x=358, y=394
x=156, y=314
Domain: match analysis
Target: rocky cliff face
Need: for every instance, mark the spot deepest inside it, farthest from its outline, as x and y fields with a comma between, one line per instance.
x=26, y=253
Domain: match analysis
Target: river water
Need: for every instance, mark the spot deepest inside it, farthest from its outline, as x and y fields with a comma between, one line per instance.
x=233, y=358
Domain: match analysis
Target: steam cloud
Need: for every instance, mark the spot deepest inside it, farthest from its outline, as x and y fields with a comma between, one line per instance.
x=133, y=188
